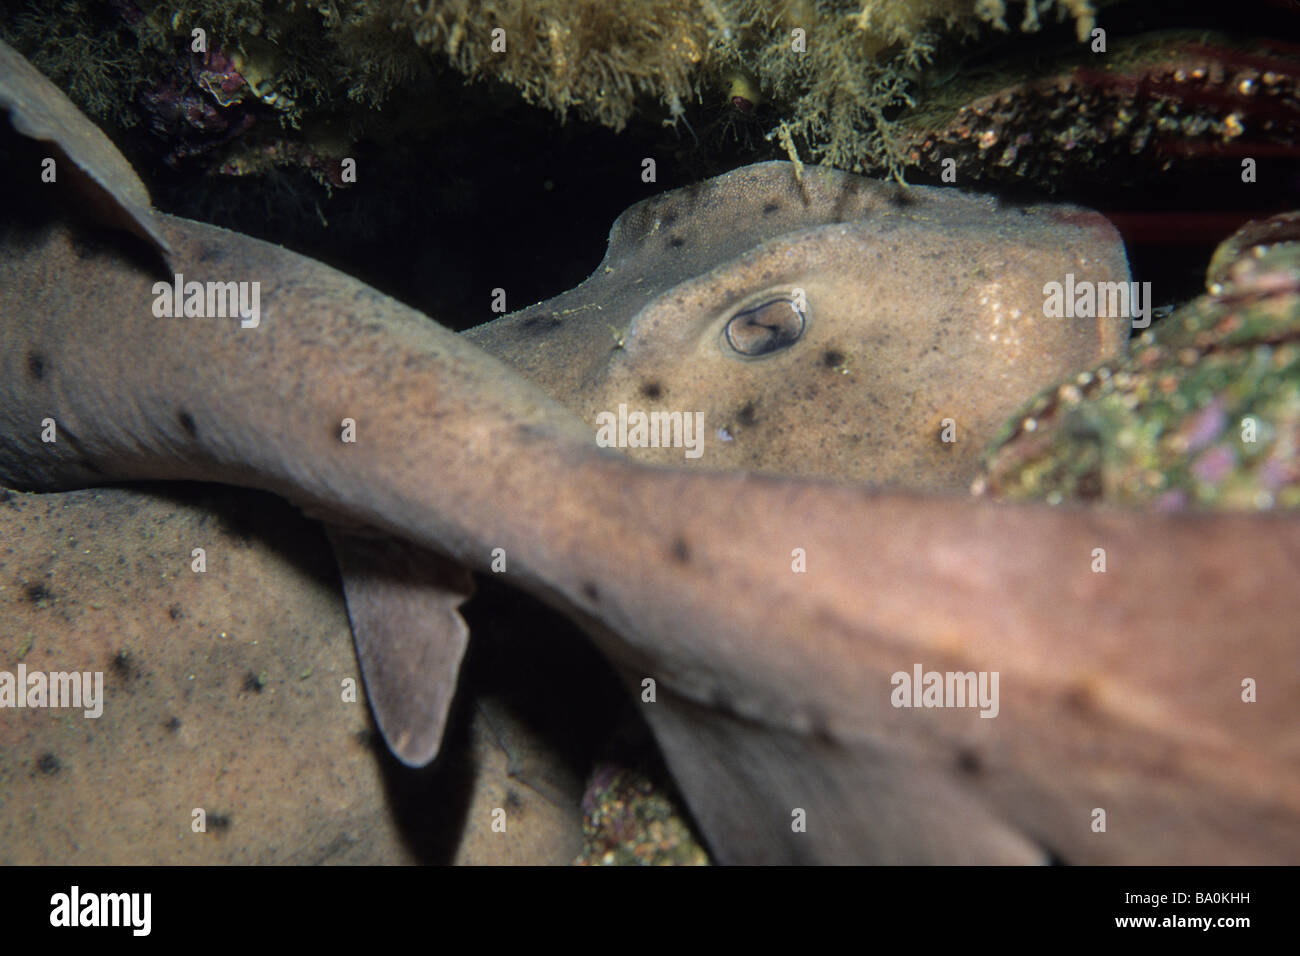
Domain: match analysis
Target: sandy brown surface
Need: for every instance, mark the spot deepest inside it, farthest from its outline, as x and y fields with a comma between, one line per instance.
x=223, y=693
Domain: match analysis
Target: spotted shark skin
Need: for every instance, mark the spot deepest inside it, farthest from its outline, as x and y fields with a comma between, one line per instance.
x=918, y=308
x=1120, y=689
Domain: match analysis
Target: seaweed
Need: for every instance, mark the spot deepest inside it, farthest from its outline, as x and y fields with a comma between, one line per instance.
x=87, y=51
x=855, y=69
x=838, y=71
x=586, y=55
x=835, y=75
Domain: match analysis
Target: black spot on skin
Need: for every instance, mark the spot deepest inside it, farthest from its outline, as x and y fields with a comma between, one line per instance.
x=175, y=613
x=48, y=763
x=187, y=423
x=219, y=821
x=901, y=198
x=676, y=242
x=38, y=594
x=540, y=323
x=652, y=390
x=366, y=738
x=173, y=725
x=748, y=415
x=770, y=208
x=680, y=552
x=532, y=433
x=86, y=246
x=832, y=358
x=968, y=762
x=590, y=591
x=122, y=665
x=513, y=800
x=36, y=365
x=1078, y=699
x=253, y=683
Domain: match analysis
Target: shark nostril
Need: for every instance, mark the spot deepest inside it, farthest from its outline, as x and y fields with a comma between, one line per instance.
x=766, y=328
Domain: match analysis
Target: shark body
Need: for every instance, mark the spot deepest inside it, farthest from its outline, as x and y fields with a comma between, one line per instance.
x=793, y=602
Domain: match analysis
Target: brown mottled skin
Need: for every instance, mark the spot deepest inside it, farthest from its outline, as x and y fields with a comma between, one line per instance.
x=923, y=304
x=1119, y=690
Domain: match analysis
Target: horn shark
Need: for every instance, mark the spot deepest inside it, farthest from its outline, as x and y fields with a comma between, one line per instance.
x=769, y=623
x=832, y=325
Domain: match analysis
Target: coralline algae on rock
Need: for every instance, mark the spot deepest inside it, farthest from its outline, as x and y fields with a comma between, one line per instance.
x=1203, y=413
x=630, y=820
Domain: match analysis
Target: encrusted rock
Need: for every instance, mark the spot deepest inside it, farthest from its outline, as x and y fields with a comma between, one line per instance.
x=1203, y=412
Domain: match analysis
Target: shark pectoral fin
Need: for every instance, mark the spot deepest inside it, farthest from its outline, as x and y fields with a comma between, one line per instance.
x=762, y=795
x=402, y=602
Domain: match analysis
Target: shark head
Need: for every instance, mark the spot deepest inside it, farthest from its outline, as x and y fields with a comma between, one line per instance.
x=835, y=326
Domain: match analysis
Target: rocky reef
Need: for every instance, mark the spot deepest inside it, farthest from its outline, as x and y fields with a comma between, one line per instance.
x=1204, y=412
x=632, y=817
x=830, y=75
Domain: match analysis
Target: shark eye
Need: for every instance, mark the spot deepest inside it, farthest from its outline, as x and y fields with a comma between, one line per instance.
x=765, y=328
